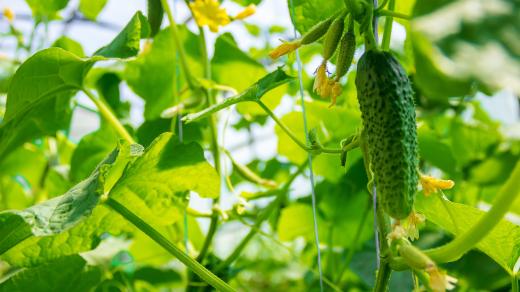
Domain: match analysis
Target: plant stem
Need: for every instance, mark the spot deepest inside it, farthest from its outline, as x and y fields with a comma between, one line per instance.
x=215, y=108
x=385, y=12
x=514, y=283
x=466, y=241
x=209, y=237
x=193, y=265
x=383, y=276
x=382, y=5
x=284, y=127
x=260, y=219
x=178, y=45
x=452, y=216
x=387, y=34
x=107, y=114
x=214, y=145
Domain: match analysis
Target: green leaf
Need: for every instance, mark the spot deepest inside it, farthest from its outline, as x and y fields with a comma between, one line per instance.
x=46, y=9
x=38, y=97
x=155, y=77
x=69, y=224
x=232, y=67
x=56, y=215
x=127, y=43
x=91, y=8
x=69, y=273
x=309, y=12
x=466, y=53
x=27, y=162
x=436, y=151
x=90, y=151
x=332, y=126
x=502, y=244
x=12, y=194
x=155, y=16
x=471, y=141
x=156, y=184
x=434, y=81
x=341, y=207
x=70, y=45
x=296, y=220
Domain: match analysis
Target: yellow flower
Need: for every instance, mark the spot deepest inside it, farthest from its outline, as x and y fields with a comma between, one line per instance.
x=248, y=11
x=335, y=91
x=412, y=223
x=439, y=280
x=9, y=14
x=321, y=83
x=284, y=48
x=208, y=12
x=398, y=232
x=432, y=185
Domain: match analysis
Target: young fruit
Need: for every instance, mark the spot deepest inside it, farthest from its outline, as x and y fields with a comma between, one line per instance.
x=347, y=48
x=333, y=35
x=316, y=32
x=387, y=108
x=155, y=16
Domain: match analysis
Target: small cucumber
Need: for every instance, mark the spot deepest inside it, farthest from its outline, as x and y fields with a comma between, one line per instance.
x=385, y=97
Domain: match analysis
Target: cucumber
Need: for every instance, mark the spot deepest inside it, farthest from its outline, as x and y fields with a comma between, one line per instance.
x=333, y=36
x=155, y=16
x=347, y=48
x=385, y=97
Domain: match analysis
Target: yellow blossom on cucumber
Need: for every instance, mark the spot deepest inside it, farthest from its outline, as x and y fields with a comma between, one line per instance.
x=209, y=12
x=9, y=14
x=284, y=48
x=248, y=11
x=335, y=91
x=432, y=185
x=412, y=223
x=398, y=232
x=439, y=280
x=321, y=82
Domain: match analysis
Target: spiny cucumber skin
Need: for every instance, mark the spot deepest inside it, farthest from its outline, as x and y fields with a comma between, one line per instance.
x=387, y=108
x=316, y=32
x=347, y=48
x=333, y=36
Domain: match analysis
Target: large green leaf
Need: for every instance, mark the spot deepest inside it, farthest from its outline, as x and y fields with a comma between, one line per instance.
x=457, y=51
x=46, y=9
x=69, y=273
x=68, y=224
x=156, y=74
x=127, y=43
x=332, y=124
x=56, y=215
x=232, y=67
x=156, y=184
x=502, y=244
x=91, y=8
x=70, y=45
x=307, y=13
x=339, y=217
x=90, y=151
x=38, y=97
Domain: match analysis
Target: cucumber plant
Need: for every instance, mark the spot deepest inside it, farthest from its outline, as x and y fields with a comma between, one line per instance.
x=189, y=192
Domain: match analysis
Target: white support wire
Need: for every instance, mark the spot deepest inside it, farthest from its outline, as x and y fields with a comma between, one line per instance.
x=311, y=174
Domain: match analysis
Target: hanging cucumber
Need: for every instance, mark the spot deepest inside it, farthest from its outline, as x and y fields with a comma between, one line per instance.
x=385, y=97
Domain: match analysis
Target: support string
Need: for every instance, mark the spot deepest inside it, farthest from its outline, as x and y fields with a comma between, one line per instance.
x=179, y=127
x=311, y=174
